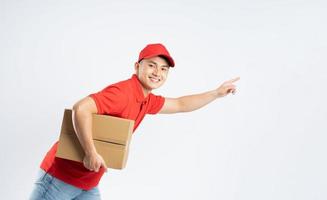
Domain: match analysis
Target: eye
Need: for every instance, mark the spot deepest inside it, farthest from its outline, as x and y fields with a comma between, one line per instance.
x=151, y=65
x=164, y=69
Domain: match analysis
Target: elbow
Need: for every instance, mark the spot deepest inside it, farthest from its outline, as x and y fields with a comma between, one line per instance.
x=181, y=106
x=79, y=114
x=84, y=107
x=77, y=108
x=185, y=106
x=80, y=108
x=77, y=111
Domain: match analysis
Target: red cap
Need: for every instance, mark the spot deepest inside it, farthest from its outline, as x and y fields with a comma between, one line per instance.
x=158, y=49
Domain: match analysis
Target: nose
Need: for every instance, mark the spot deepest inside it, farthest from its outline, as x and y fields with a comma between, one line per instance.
x=155, y=71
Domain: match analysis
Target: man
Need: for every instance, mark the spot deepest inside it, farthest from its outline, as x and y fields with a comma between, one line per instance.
x=131, y=99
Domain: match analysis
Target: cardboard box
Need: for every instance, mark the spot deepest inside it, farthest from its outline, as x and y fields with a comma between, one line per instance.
x=111, y=137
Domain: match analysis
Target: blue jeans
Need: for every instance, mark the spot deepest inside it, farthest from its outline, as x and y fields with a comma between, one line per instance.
x=48, y=187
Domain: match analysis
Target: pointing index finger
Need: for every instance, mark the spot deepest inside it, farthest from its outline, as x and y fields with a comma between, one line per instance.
x=233, y=80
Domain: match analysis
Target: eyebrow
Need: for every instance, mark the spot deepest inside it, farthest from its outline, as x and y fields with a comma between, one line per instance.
x=150, y=61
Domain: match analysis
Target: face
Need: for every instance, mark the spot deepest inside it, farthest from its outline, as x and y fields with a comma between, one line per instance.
x=152, y=72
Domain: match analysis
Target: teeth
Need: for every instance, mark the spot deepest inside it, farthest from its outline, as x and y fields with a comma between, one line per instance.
x=154, y=79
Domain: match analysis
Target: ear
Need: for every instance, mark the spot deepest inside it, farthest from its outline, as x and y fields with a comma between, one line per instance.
x=136, y=66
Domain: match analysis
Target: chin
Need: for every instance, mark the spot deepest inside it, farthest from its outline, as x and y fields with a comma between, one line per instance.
x=153, y=85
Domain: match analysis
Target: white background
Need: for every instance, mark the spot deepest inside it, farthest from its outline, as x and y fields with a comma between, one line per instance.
x=266, y=142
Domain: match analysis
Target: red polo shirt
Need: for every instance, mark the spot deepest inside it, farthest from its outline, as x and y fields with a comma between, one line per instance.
x=123, y=99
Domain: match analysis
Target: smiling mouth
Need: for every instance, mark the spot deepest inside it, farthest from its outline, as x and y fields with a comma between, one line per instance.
x=156, y=80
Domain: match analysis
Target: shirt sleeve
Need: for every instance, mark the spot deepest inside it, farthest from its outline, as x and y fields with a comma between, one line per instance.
x=156, y=103
x=110, y=101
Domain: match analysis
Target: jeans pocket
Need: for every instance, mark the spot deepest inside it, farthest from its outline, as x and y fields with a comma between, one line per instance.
x=44, y=178
x=40, y=175
x=41, y=185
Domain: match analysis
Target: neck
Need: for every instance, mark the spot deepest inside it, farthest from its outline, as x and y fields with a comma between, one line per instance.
x=146, y=92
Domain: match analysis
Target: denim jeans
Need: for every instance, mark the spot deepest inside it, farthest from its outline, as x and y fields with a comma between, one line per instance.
x=48, y=187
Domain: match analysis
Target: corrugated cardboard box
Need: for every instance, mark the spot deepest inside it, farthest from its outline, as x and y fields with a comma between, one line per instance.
x=111, y=137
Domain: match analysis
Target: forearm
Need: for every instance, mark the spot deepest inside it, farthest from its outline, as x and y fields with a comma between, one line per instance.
x=82, y=121
x=196, y=101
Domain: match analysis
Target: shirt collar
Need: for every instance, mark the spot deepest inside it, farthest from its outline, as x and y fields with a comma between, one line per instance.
x=137, y=89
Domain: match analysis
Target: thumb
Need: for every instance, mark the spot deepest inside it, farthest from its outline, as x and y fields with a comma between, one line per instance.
x=103, y=164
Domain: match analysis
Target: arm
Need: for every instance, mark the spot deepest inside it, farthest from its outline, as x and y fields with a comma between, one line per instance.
x=193, y=102
x=82, y=121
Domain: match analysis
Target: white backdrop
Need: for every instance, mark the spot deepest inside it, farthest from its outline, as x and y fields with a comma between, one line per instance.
x=266, y=142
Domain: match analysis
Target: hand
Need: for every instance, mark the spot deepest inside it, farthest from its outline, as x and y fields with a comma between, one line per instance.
x=227, y=87
x=93, y=162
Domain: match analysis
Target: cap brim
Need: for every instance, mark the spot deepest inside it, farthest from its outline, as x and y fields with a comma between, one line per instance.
x=169, y=59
